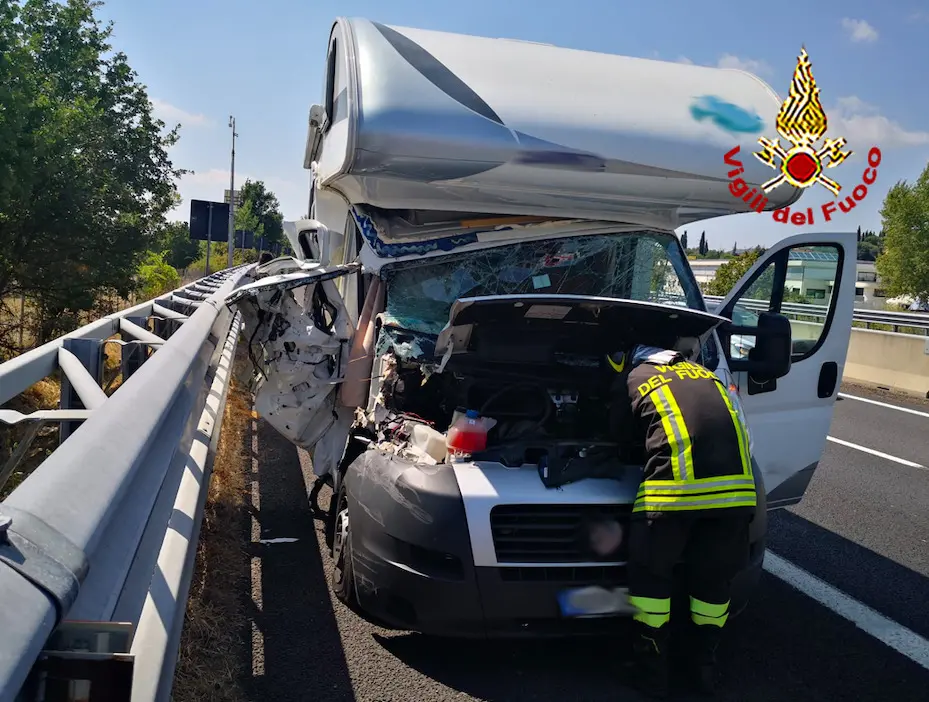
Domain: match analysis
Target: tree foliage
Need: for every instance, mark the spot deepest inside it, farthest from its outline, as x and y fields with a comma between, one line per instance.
x=157, y=276
x=870, y=245
x=260, y=212
x=728, y=274
x=904, y=264
x=85, y=178
x=684, y=241
x=175, y=243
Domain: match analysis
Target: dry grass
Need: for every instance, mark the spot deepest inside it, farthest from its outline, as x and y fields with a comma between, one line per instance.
x=43, y=395
x=210, y=665
x=46, y=395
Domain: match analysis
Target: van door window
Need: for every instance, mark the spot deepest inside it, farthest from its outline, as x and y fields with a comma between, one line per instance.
x=810, y=279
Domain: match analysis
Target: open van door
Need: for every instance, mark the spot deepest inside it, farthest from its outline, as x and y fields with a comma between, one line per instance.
x=298, y=332
x=789, y=379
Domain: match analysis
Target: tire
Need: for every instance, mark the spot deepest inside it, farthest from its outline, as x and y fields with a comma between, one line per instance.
x=343, y=573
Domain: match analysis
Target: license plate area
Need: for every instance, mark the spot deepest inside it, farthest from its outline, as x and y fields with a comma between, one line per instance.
x=595, y=601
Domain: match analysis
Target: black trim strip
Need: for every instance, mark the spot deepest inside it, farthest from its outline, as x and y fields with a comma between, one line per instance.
x=437, y=73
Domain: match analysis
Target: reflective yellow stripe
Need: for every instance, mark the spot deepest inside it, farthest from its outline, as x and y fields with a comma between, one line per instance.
x=707, y=613
x=739, y=430
x=730, y=484
x=618, y=367
x=678, y=438
x=742, y=498
x=651, y=611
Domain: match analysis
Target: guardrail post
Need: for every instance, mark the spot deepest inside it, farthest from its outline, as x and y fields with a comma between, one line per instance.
x=90, y=353
x=134, y=355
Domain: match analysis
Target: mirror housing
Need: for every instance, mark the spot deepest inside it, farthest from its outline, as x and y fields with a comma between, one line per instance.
x=313, y=236
x=770, y=358
x=314, y=134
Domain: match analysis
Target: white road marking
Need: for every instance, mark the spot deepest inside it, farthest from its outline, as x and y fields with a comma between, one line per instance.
x=879, y=454
x=279, y=540
x=884, y=404
x=885, y=630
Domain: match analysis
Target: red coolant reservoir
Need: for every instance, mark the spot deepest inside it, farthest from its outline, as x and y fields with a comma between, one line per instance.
x=468, y=434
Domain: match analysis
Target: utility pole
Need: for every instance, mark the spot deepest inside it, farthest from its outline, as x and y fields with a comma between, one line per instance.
x=209, y=237
x=232, y=197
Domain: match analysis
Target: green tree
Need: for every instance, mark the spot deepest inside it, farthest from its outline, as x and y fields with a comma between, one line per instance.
x=156, y=276
x=731, y=271
x=178, y=248
x=85, y=178
x=684, y=240
x=904, y=264
x=870, y=245
x=261, y=212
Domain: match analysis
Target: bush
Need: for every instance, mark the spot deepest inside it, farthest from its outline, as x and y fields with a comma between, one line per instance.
x=156, y=276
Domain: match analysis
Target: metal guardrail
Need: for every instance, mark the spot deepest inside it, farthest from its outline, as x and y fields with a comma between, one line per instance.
x=895, y=320
x=97, y=545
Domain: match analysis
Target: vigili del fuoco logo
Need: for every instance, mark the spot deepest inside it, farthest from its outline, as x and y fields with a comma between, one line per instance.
x=802, y=123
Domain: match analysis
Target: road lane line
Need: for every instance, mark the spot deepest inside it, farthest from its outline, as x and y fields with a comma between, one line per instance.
x=879, y=454
x=884, y=404
x=885, y=630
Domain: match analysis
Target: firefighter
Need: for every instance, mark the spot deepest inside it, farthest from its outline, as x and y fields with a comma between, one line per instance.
x=694, y=503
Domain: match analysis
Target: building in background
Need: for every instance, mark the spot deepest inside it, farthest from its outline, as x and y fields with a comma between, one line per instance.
x=705, y=268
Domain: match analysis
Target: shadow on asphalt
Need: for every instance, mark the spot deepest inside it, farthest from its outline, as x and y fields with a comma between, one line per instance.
x=894, y=590
x=302, y=656
x=783, y=647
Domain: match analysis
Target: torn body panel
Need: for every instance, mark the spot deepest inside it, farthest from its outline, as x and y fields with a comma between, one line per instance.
x=300, y=351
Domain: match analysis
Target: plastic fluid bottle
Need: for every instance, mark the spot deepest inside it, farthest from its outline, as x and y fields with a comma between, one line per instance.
x=468, y=434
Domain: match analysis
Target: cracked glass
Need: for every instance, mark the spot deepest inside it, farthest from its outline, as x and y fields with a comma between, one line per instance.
x=645, y=266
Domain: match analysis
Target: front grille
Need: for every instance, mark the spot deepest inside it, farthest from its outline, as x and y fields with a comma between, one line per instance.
x=547, y=533
x=575, y=575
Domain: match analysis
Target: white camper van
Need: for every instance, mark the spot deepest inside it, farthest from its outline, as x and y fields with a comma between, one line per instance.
x=490, y=217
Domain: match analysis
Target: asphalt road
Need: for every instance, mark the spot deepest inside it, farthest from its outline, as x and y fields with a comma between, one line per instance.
x=863, y=528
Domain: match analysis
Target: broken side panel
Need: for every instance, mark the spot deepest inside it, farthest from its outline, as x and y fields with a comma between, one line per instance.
x=298, y=333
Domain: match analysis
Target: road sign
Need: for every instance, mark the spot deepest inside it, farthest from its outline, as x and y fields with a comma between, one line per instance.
x=244, y=239
x=238, y=197
x=202, y=220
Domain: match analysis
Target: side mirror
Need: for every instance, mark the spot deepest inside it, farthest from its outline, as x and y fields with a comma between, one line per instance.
x=314, y=239
x=770, y=357
x=314, y=135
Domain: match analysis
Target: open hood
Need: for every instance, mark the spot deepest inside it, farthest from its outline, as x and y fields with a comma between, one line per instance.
x=581, y=320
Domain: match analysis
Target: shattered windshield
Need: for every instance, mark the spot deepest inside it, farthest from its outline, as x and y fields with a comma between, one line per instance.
x=642, y=266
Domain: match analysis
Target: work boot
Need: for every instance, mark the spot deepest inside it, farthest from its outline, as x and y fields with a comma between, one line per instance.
x=649, y=668
x=705, y=641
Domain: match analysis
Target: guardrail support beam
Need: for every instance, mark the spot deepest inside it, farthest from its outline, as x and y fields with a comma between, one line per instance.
x=81, y=363
x=134, y=355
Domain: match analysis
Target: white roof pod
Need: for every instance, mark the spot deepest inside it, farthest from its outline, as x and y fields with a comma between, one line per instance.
x=424, y=120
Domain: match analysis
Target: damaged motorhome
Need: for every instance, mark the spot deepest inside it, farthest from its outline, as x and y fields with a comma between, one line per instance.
x=489, y=219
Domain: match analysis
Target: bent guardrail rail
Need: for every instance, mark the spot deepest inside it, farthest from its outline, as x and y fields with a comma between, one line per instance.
x=895, y=320
x=97, y=545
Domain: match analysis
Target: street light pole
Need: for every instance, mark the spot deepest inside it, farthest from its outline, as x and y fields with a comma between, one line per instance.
x=232, y=196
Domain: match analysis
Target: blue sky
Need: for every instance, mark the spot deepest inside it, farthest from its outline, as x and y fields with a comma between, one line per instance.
x=263, y=62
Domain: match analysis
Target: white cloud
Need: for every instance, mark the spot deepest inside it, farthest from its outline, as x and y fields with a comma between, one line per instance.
x=683, y=59
x=171, y=115
x=750, y=65
x=919, y=16
x=864, y=126
x=859, y=30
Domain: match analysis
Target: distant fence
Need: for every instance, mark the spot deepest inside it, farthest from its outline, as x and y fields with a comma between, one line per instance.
x=889, y=349
x=915, y=323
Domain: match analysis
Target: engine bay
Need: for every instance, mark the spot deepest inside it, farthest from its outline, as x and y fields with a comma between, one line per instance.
x=554, y=416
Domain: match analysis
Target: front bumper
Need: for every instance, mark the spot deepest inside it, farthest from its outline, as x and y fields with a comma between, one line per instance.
x=419, y=573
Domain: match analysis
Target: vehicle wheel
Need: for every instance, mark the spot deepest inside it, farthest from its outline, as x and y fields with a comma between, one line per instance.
x=343, y=576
